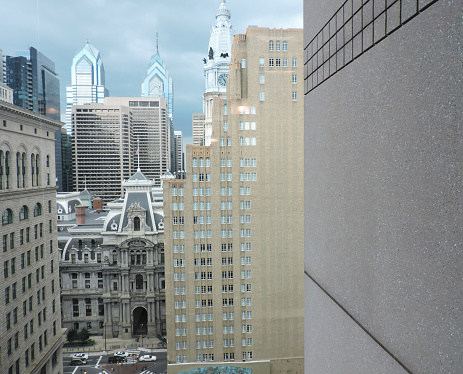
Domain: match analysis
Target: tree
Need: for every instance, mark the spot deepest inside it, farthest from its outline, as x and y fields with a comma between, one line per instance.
x=83, y=335
x=72, y=335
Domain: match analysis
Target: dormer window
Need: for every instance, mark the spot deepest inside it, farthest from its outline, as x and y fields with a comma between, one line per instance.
x=136, y=224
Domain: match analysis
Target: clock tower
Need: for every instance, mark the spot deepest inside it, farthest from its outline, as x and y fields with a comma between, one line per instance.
x=217, y=64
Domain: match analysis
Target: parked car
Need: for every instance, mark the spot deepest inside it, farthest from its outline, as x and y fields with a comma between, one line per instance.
x=147, y=358
x=78, y=361
x=122, y=354
x=116, y=359
x=81, y=355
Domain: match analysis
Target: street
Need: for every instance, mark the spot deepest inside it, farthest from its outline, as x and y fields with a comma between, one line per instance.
x=98, y=363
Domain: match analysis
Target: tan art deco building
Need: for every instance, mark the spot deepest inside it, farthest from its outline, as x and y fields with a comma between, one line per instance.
x=30, y=304
x=234, y=227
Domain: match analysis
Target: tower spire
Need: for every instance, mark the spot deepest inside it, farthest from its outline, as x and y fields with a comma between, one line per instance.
x=157, y=42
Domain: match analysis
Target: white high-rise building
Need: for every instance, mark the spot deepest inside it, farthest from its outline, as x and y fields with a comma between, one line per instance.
x=87, y=81
x=178, y=139
x=217, y=64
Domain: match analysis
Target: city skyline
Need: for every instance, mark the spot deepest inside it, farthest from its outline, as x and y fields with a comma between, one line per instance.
x=127, y=51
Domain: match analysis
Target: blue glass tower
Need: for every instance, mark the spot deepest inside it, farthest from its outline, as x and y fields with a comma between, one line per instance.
x=87, y=81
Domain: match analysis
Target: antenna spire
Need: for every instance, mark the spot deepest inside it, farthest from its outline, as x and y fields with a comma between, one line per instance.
x=157, y=42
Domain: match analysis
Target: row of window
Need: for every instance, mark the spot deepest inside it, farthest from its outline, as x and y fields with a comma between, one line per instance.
x=8, y=218
x=262, y=96
x=21, y=167
x=8, y=240
x=277, y=62
x=208, y=247
x=277, y=45
x=201, y=162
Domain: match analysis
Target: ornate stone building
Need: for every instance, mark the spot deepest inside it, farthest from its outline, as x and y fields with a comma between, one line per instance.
x=112, y=264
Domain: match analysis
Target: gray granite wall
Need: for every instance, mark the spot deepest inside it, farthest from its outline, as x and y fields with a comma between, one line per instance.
x=384, y=203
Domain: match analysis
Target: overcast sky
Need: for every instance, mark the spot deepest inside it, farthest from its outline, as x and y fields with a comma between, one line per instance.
x=124, y=31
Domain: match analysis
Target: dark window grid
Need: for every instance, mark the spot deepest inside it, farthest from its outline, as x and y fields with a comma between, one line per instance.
x=350, y=32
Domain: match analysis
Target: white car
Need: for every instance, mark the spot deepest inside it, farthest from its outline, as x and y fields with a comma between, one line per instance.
x=122, y=354
x=81, y=356
x=147, y=358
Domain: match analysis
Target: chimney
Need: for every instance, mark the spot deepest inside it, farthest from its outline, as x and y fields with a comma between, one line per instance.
x=80, y=215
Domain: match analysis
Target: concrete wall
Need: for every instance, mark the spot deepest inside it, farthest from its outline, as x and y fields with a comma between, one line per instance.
x=383, y=202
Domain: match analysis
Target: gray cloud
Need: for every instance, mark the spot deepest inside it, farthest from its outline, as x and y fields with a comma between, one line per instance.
x=124, y=33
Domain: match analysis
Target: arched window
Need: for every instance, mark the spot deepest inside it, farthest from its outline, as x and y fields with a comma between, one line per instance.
x=285, y=45
x=277, y=47
x=7, y=170
x=48, y=161
x=37, y=168
x=139, y=282
x=7, y=217
x=32, y=170
x=243, y=63
x=18, y=169
x=23, y=169
x=37, y=210
x=136, y=224
x=270, y=45
x=23, y=213
x=1, y=169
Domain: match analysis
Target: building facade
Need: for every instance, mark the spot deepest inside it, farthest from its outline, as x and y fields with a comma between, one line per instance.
x=102, y=148
x=383, y=234
x=112, y=269
x=179, y=166
x=198, y=128
x=234, y=226
x=151, y=134
x=87, y=81
x=31, y=331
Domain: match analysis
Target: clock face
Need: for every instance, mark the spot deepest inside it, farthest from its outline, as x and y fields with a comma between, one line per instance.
x=223, y=79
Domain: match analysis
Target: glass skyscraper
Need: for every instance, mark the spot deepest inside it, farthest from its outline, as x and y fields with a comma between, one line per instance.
x=35, y=84
x=87, y=81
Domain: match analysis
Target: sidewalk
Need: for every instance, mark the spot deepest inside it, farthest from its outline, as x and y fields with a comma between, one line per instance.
x=116, y=344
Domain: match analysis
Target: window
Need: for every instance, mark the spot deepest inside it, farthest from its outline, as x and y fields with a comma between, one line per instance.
x=262, y=96
x=277, y=62
x=23, y=213
x=294, y=95
x=277, y=45
x=7, y=217
x=243, y=63
x=270, y=45
x=261, y=62
x=285, y=45
x=270, y=62
x=294, y=62
x=37, y=210
x=294, y=78
x=285, y=62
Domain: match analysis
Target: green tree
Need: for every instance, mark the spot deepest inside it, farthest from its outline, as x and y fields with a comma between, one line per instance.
x=72, y=335
x=83, y=335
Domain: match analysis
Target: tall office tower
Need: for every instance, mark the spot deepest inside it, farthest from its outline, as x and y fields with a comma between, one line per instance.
x=34, y=82
x=234, y=228
x=216, y=65
x=63, y=154
x=31, y=331
x=151, y=134
x=157, y=82
x=383, y=203
x=102, y=149
x=178, y=136
x=87, y=81
x=198, y=128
